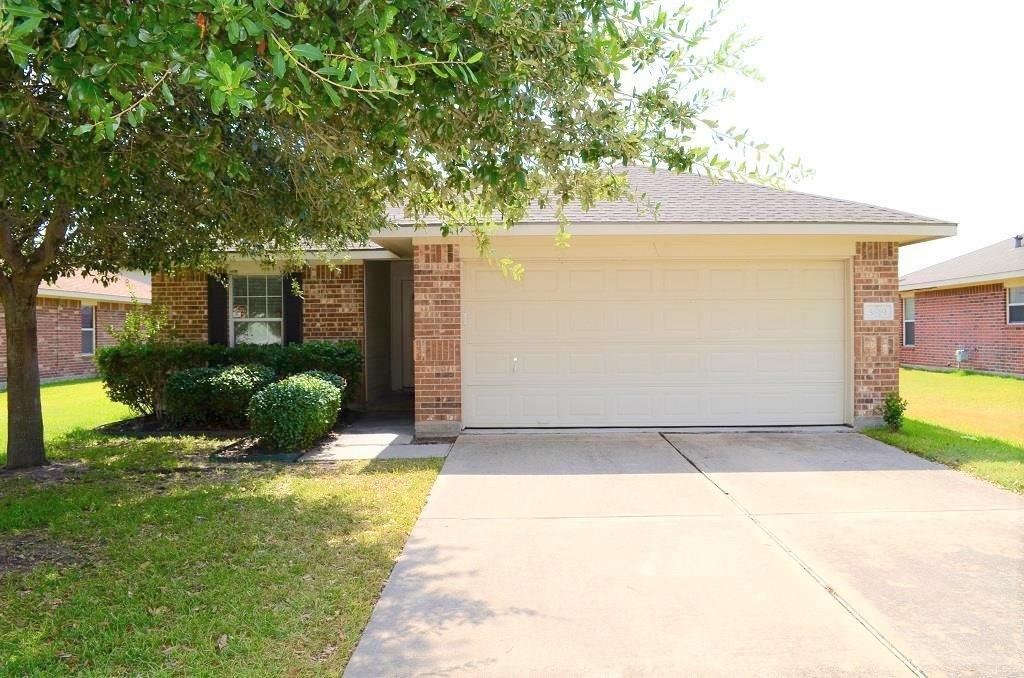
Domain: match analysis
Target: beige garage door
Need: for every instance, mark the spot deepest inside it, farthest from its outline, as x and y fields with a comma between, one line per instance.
x=654, y=343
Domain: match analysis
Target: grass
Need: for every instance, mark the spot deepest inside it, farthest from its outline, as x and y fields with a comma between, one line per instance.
x=67, y=406
x=145, y=559
x=997, y=461
x=978, y=404
x=972, y=422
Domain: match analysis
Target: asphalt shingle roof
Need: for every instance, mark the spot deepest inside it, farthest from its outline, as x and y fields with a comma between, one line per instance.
x=1001, y=258
x=691, y=198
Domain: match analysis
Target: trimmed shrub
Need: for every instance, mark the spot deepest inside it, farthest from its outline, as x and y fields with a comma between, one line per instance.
x=188, y=395
x=292, y=414
x=210, y=396
x=136, y=374
x=343, y=358
x=892, y=410
x=333, y=379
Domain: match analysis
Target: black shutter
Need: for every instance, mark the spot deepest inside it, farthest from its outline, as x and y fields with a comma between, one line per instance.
x=216, y=311
x=292, y=309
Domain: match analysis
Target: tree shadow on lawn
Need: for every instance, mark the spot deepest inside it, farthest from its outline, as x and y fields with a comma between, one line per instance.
x=260, y=569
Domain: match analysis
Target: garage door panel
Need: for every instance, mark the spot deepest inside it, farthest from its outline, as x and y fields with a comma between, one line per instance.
x=665, y=343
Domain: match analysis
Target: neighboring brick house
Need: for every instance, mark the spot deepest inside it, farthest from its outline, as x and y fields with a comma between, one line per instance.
x=967, y=312
x=737, y=305
x=74, y=316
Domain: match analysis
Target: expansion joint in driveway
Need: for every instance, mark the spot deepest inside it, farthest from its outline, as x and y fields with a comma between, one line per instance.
x=845, y=604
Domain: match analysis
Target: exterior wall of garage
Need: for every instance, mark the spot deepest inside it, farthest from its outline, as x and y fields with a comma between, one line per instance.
x=437, y=340
x=973, y=318
x=874, y=344
x=876, y=353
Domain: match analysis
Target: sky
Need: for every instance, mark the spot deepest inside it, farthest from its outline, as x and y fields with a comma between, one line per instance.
x=909, y=104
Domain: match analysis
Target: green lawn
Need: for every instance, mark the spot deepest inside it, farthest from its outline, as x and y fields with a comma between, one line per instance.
x=67, y=406
x=978, y=404
x=972, y=422
x=142, y=558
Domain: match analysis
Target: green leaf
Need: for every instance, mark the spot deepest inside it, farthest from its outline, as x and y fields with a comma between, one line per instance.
x=71, y=39
x=166, y=91
x=82, y=129
x=332, y=95
x=279, y=65
x=475, y=58
x=308, y=52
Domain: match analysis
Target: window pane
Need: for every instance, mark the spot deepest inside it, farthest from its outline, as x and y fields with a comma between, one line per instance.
x=258, y=332
x=257, y=307
x=257, y=286
x=274, y=286
x=87, y=341
x=909, y=309
x=1017, y=314
x=240, y=308
x=908, y=333
x=1017, y=295
x=274, y=307
x=88, y=320
x=238, y=286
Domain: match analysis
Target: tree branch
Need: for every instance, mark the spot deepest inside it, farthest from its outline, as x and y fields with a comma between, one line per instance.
x=56, y=230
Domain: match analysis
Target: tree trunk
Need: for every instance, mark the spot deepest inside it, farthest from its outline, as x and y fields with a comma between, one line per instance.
x=24, y=411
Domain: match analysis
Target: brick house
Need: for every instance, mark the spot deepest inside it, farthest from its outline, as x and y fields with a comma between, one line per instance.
x=735, y=305
x=74, y=316
x=967, y=312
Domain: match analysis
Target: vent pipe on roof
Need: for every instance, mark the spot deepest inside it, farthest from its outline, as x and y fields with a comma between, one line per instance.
x=1018, y=240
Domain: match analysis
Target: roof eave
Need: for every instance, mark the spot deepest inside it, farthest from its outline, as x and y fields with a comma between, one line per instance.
x=903, y=233
x=89, y=296
x=965, y=281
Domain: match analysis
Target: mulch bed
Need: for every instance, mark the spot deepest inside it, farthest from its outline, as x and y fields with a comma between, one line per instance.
x=149, y=426
x=252, y=450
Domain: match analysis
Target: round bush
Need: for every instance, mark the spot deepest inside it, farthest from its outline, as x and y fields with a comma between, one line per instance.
x=232, y=388
x=294, y=413
x=211, y=396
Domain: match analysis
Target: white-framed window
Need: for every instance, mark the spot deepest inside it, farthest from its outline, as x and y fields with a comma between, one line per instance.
x=257, y=309
x=88, y=314
x=1015, y=305
x=909, y=318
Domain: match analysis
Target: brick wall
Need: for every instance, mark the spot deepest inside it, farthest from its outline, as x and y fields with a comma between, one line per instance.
x=59, y=328
x=437, y=339
x=183, y=296
x=876, y=342
x=333, y=305
x=967, y=317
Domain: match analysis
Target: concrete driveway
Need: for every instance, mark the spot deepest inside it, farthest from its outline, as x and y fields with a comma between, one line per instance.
x=768, y=554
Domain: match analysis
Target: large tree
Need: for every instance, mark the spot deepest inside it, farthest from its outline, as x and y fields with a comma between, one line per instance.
x=155, y=134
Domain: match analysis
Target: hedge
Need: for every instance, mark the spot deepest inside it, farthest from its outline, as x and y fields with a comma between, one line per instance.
x=292, y=414
x=137, y=374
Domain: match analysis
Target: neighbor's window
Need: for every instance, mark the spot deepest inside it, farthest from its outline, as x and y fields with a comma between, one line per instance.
x=1015, y=305
x=88, y=330
x=256, y=309
x=909, y=317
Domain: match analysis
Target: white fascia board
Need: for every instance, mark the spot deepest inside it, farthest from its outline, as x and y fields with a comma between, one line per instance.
x=903, y=233
x=88, y=296
x=315, y=257
x=965, y=281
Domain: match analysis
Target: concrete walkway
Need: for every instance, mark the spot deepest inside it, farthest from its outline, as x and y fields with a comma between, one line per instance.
x=376, y=435
x=736, y=554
